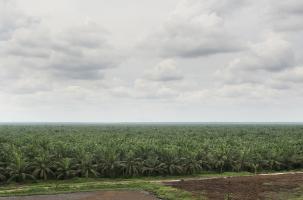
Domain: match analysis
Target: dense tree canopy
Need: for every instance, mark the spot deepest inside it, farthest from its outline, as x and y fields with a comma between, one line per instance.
x=29, y=152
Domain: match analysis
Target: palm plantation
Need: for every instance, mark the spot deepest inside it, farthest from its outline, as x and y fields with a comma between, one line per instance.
x=62, y=152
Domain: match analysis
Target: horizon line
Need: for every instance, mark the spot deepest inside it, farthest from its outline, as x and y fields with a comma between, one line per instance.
x=151, y=122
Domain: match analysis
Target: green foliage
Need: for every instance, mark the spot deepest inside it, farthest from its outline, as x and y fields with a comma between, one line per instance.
x=161, y=191
x=29, y=152
x=17, y=168
x=41, y=166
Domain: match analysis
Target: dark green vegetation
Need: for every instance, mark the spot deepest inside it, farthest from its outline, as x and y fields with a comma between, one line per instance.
x=66, y=151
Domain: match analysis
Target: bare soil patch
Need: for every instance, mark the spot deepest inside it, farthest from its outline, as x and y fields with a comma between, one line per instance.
x=103, y=195
x=257, y=187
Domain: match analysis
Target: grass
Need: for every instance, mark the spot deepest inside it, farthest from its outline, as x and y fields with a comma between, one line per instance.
x=150, y=184
x=298, y=194
x=161, y=191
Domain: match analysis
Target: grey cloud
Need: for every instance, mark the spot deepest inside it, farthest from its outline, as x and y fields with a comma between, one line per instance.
x=289, y=24
x=261, y=66
x=89, y=35
x=195, y=29
x=35, y=58
x=59, y=64
x=164, y=71
x=287, y=15
x=28, y=42
x=220, y=7
x=85, y=67
x=160, y=82
x=144, y=89
x=78, y=74
x=26, y=86
x=12, y=19
x=273, y=55
x=82, y=55
x=279, y=85
x=247, y=91
x=294, y=75
x=82, y=52
x=23, y=80
x=292, y=7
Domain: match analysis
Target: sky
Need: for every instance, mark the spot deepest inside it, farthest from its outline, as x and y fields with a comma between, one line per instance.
x=151, y=61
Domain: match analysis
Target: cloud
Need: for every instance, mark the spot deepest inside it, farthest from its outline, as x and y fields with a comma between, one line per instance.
x=77, y=53
x=287, y=15
x=83, y=56
x=274, y=54
x=144, y=89
x=221, y=7
x=161, y=82
x=60, y=63
x=194, y=29
x=164, y=71
x=12, y=19
x=247, y=91
x=27, y=86
x=293, y=7
x=294, y=75
x=260, y=73
x=28, y=43
x=31, y=50
x=260, y=62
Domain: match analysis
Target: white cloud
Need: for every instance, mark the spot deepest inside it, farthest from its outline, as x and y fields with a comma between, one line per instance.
x=194, y=29
x=261, y=72
x=12, y=19
x=163, y=81
x=287, y=15
x=294, y=75
x=153, y=90
x=260, y=63
x=195, y=7
x=51, y=62
x=33, y=52
x=164, y=71
x=83, y=53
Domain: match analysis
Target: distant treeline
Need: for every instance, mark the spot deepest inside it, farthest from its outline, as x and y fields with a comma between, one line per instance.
x=31, y=152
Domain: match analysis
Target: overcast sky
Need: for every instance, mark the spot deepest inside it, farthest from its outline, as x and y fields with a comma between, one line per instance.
x=151, y=61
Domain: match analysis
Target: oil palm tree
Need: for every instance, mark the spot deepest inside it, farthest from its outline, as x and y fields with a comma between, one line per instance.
x=192, y=166
x=18, y=169
x=41, y=167
x=65, y=168
x=131, y=167
x=85, y=166
x=2, y=172
x=153, y=166
x=109, y=166
x=173, y=166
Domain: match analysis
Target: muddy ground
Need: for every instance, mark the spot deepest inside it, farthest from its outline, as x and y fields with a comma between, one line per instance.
x=106, y=195
x=275, y=187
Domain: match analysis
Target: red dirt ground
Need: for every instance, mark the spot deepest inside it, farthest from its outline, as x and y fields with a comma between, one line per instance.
x=104, y=195
x=260, y=187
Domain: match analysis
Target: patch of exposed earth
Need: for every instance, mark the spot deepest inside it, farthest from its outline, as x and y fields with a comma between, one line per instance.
x=103, y=195
x=260, y=187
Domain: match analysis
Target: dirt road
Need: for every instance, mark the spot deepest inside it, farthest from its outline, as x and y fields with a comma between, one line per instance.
x=106, y=195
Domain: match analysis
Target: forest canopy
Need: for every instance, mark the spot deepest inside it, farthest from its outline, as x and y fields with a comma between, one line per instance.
x=32, y=152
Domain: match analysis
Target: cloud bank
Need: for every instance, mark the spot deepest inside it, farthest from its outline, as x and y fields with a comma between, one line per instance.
x=194, y=59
